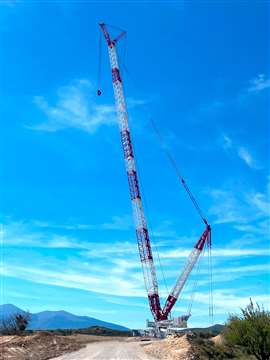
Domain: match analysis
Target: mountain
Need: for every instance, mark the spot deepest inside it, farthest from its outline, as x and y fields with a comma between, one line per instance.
x=7, y=310
x=51, y=320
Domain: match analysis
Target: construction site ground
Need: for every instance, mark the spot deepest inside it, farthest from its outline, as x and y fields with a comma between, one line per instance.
x=46, y=345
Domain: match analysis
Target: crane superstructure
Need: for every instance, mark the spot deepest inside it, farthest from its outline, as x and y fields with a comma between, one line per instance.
x=161, y=315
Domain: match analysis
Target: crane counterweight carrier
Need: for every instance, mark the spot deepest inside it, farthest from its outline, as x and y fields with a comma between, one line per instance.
x=160, y=315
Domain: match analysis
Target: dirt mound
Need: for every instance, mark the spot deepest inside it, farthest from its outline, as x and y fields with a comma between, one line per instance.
x=217, y=340
x=174, y=347
x=40, y=346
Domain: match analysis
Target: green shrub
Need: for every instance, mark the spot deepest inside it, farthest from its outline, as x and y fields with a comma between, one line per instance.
x=250, y=330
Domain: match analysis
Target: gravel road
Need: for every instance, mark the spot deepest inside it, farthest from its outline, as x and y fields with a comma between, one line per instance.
x=109, y=350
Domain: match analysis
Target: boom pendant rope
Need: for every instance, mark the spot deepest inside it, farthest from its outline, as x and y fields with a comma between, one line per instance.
x=175, y=167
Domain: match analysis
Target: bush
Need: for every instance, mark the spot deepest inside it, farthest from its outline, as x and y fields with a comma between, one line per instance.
x=251, y=330
x=15, y=324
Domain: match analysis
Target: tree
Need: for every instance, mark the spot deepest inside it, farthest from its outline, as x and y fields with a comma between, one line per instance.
x=15, y=323
x=251, y=330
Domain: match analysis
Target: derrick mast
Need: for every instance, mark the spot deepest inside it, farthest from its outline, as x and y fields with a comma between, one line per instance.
x=142, y=234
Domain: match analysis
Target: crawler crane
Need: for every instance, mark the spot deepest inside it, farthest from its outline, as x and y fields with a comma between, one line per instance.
x=161, y=315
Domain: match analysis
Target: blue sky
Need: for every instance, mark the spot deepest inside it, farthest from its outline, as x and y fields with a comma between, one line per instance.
x=201, y=71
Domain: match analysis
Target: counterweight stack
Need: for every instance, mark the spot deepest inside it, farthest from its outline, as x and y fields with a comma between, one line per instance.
x=144, y=245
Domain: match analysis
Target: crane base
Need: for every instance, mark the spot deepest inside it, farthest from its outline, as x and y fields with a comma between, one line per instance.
x=163, y=328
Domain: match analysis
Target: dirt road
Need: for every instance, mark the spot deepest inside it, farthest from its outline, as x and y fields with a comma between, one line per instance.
x=109, y=350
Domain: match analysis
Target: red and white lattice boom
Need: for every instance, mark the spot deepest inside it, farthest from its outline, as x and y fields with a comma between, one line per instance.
x=142, y=234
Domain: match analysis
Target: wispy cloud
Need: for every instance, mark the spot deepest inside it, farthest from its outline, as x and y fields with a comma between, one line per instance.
x=229, y=302
x=104, y=283
x=260, y=201
x=227, y=207
x=123, y=222
x=226, y=142
x=183, y=253
x=118, y=223
x=245, y=210
x=109, y=268
x=259, y=83
x=245, y=155
x=74, y=107
x=42, y=234
x=242, y=152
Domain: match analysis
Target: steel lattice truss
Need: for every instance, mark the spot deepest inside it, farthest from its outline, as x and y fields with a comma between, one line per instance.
x=142, y=234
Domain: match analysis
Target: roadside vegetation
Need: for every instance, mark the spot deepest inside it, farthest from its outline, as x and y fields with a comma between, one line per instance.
x=245, y=336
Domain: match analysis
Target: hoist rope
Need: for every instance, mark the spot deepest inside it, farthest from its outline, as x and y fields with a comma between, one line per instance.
x=210, y=272
x=99, y=61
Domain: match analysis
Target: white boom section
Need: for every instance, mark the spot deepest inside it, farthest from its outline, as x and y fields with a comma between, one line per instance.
x=189, y=265
x=191, y=261
x=138, y=213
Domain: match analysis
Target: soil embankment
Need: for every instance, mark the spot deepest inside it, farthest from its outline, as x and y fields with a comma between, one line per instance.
x=174, y=347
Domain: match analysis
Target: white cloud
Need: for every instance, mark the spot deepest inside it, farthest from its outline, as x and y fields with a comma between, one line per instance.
x=74, y=107
x=242, y=152
x=245, y=155
x=230, y=302
x=104, y=283
x=119, y=223
x=227, y=207
x=107, y=268
x=226, y=142
x=217, y=252
x=40, y=234
x=260, y=228
x=240, y=208
x=261, y=202
x=259, y=83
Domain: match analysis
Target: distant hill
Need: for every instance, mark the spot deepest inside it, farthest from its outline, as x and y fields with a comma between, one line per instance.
x=52, y=320
x=93, y=330
x=214, y=329
x=7, y=310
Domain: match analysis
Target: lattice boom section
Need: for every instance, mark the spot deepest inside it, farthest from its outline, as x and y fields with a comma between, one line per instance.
x=143, y=240
x=144, y=244
x=126, y=143
x=133, y=185
x=187, y=269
